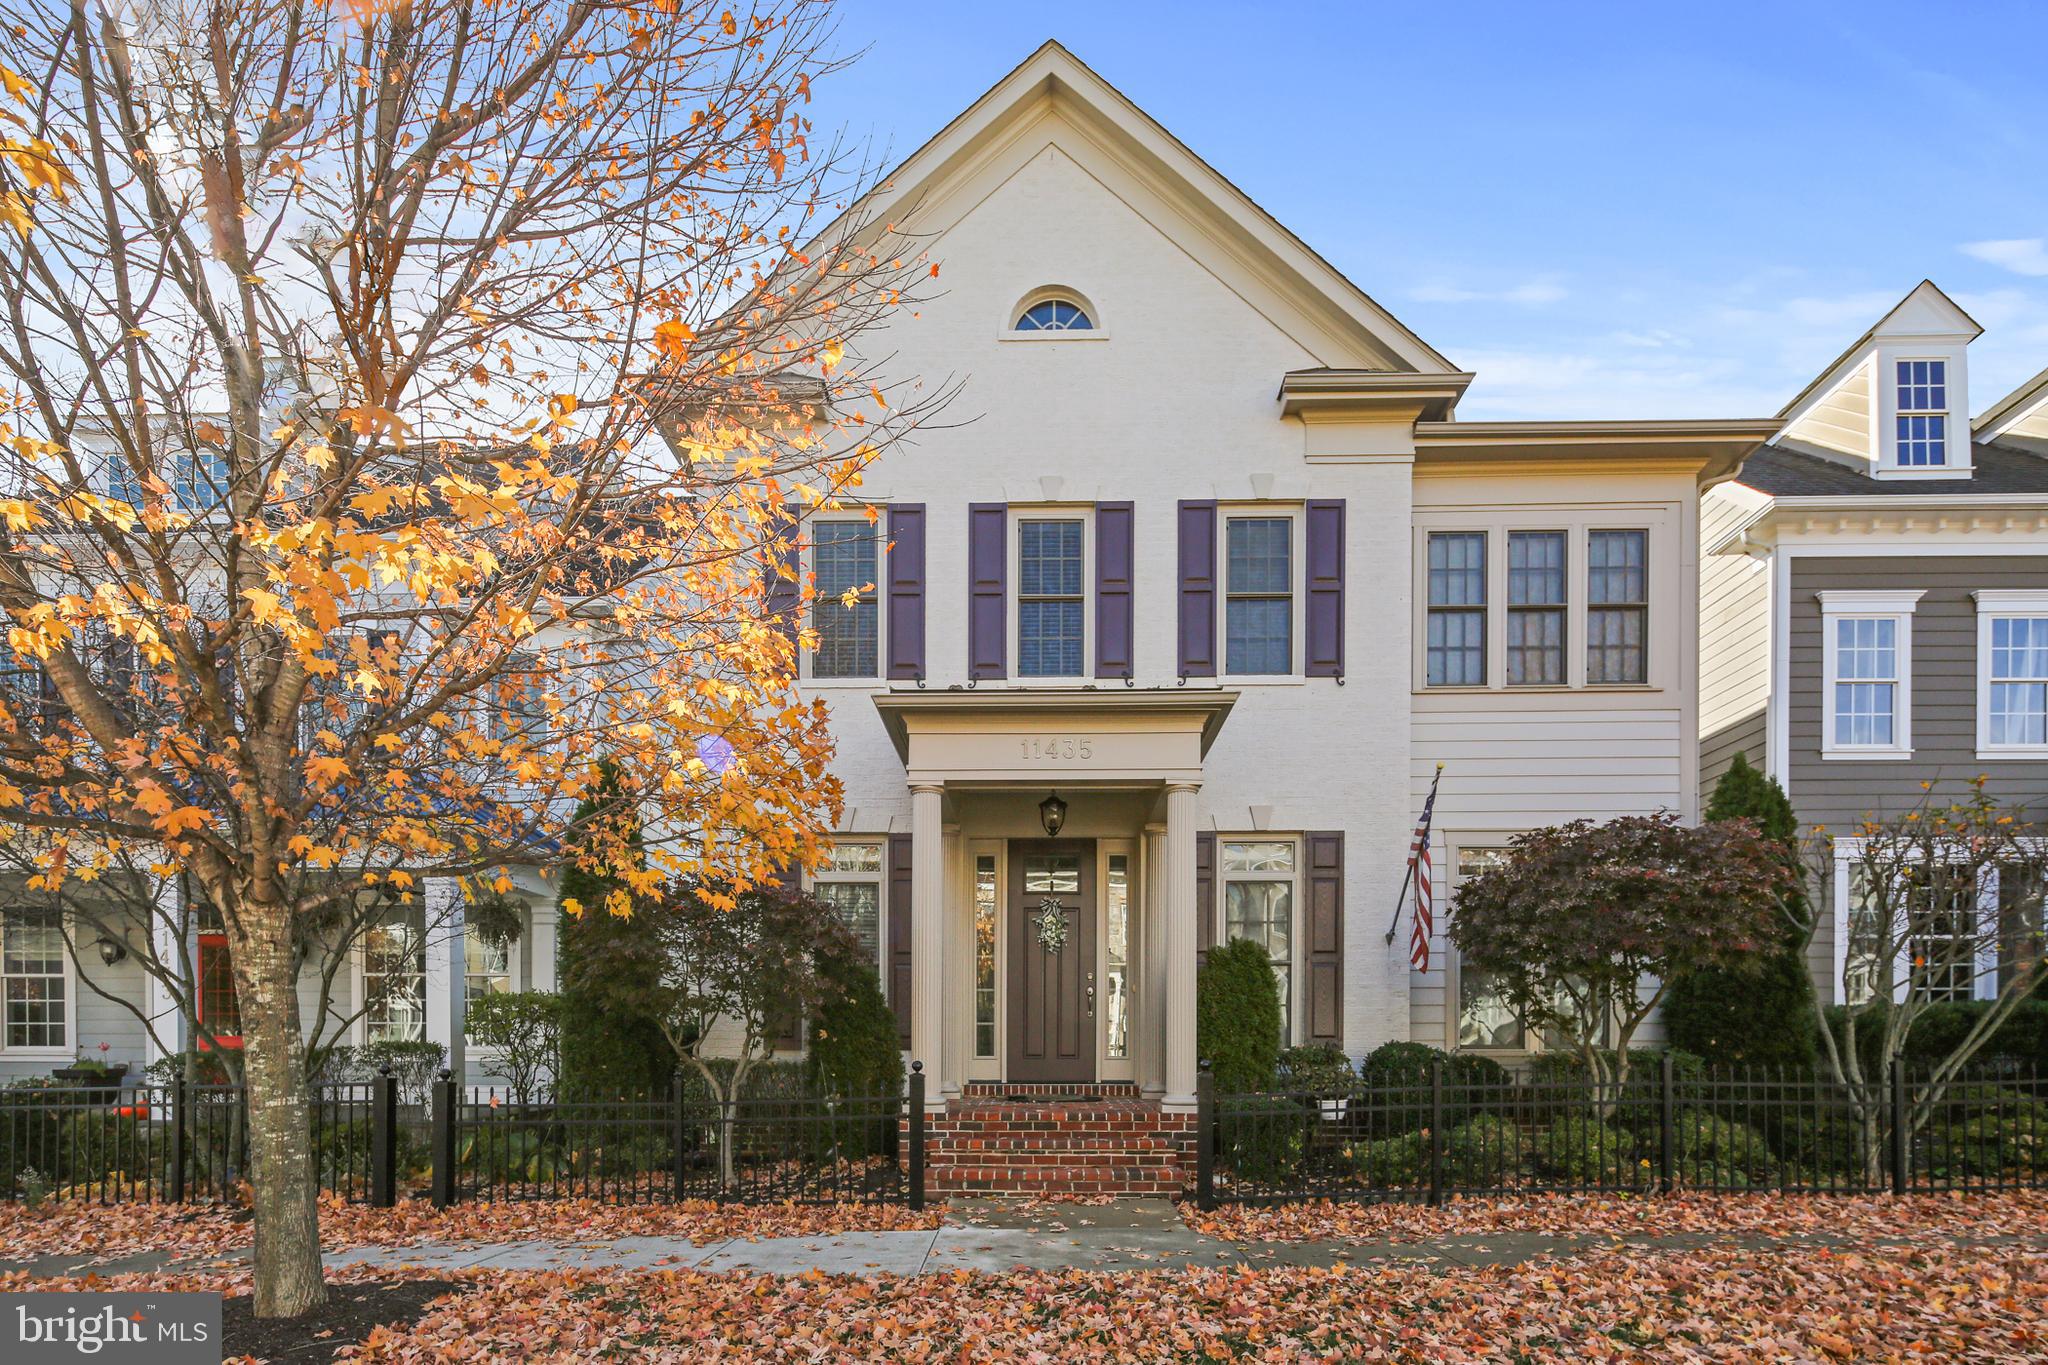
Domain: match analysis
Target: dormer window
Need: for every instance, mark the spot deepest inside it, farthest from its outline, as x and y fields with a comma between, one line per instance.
x=1922, y=414
x=1055, y=315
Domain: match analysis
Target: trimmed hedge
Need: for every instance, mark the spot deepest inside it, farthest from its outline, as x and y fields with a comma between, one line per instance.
x=1237, y=1018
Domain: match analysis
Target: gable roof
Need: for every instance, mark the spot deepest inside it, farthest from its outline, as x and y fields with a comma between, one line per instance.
x=1053, y=73
x=1784, y=472
x=1927, y=294
x=2014, y=403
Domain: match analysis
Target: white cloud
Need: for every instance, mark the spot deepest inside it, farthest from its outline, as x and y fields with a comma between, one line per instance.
x=1533, y=293
x=2021, y=255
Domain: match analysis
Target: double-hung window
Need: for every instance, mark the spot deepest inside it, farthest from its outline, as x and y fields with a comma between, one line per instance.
x=1258, y=904
x=1922, y=416
x=1051, y=598
x=2012, y=674
x=1536, y=608
x=844, y=612
x=1455, y=654
x=1617, y=606
x=1487, y=1022
x=1867, y=655
x=37, y=1000
x=486, y=967
x=851, y=883
x=1258, y=590
x=395, y=975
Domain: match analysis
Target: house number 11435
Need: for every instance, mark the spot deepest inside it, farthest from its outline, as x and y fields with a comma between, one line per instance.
x=1058, y=746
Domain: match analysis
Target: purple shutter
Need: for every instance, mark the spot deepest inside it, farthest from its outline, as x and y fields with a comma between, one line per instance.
x=1205, y=897
x=899, y=934
x=1326, y=937
x=782, y=568
x=1325, y=658
x=906, y=590
x=988, y=554
x=1198, y=589
x=1113, y=590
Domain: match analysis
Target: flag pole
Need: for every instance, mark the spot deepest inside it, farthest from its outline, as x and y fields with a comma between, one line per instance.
x=1401, y=898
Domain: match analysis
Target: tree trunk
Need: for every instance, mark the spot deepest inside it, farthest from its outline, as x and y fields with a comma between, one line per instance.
x=281, y=1170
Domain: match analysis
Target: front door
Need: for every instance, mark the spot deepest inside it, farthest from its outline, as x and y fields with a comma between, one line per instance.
x=1052, y=960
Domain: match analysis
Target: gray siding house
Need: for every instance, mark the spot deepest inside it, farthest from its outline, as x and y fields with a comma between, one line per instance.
x=1874, y=592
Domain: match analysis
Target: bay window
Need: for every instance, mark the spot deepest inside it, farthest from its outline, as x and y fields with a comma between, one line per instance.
x=1536, y=608
x=1617, y=607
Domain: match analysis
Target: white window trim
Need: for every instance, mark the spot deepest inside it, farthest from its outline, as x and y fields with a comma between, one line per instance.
x=1993, y=604
x=878, y=679
x=1297, y=950
x=1096, y=331
x=1578, y=524
x=1013, y=591
x=1855, y=604
x=879, y=879
x=68, y=1050
x=1885, y=409
x=1297, y=573
x=1847, y=850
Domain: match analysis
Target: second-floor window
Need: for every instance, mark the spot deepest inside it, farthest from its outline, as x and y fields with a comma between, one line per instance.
x=1536, y=608
x=1456, y=648
x=1051, y=598
x=1867, y=658
x=2012, y=673
x=849, y=636
x=1258, y=626
x=1617, y=606
x=1922, y=413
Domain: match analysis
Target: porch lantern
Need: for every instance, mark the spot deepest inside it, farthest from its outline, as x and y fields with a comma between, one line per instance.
x=1052, y=813
x=111, y=950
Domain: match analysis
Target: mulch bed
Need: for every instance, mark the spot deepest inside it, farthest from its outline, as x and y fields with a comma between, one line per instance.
x=351, y=1313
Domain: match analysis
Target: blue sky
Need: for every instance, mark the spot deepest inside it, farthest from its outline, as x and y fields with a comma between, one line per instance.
x=1606, y=210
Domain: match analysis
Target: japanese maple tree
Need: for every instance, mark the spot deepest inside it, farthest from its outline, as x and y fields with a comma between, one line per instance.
x=1581, y=925
x=407, y=404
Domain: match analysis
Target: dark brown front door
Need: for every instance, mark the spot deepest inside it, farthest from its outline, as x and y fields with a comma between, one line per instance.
x=1052, y=988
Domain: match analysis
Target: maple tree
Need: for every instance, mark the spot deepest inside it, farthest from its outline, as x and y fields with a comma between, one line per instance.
x=1583, y=926
x=406, y=405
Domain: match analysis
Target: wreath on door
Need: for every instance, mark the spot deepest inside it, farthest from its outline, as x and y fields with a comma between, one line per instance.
x=1052, y=924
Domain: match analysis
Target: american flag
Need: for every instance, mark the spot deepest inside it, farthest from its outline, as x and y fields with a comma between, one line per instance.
x=1418, y=868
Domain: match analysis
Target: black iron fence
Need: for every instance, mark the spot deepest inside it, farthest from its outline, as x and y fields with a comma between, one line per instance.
x=1660, y=1129
x=179, y=1142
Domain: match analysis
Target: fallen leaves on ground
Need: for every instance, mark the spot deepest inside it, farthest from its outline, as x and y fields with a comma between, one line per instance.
x=1615, y=1304
x=1866, y=1216
x=190, y=1230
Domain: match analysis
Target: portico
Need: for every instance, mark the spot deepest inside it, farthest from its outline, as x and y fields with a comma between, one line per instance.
x=1061, y=960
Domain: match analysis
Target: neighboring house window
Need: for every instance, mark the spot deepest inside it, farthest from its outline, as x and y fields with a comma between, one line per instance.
x=395, y=975
x=2021, y=924
x=1617, y=607
x=1456, y=648
x=1259, y=595
x=985, y=956
x=1866, y=688
x=1054, y=315
x=852, y=884
x=1486, y=1021
x=1536, y=608
x=1922, y=413
x=1862, y=934
x=1258, y=904
x=219, y=1007
x=32, y=974
x=849, y=637
x=2012, y=673
x=1050, y=598
x=486, y=967
x=1942, y=948
x=199, y=478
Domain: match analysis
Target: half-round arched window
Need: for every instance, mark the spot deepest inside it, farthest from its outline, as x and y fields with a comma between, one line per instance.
x=1055, y=314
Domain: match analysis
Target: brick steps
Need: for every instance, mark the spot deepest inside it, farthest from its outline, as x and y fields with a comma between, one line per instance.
x=1101, y=1144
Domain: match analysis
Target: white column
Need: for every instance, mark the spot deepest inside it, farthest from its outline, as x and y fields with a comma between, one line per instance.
x=1180, y=946
x=445, y=968
x=168, y=920
x=928, y=938
x=1151, y=1021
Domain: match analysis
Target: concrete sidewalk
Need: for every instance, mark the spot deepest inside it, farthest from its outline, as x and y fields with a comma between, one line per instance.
x=995, y=1236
